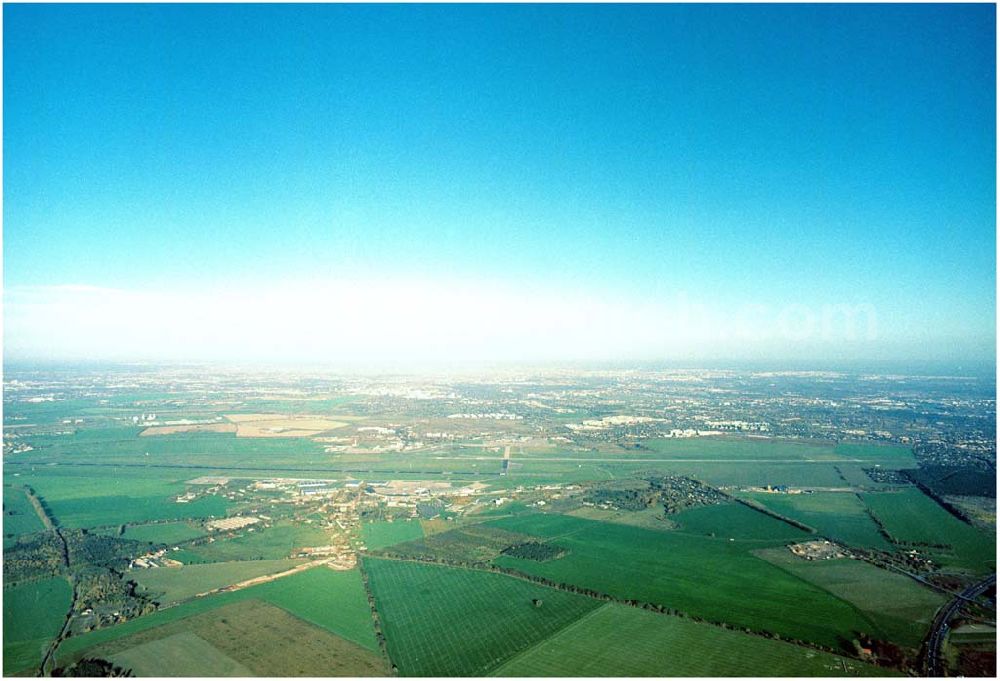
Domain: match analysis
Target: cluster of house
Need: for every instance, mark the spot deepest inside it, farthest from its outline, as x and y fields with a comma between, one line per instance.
x=154, y=560
x=819, y=549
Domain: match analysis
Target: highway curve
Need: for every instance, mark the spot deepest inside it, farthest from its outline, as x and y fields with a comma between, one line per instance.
x=935, y=641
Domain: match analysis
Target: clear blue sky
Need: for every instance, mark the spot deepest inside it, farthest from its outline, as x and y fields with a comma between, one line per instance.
x=766, y=154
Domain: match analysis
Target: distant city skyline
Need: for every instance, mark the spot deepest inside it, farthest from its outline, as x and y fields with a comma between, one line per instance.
x=393, y=184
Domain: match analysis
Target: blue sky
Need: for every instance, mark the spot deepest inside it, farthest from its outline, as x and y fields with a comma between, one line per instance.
x=610, y=160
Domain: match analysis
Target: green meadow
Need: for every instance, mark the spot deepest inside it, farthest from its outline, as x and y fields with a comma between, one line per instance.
x=912, y=518
x=380, y=534
x=332, y=599
x=616, y=640
x=173, y=584
x=736, y=522
x=722, y=448
x=84, y=512
x=33, y=614
x=19, y=516
x=900, y=456
x=163, y=533
x=446, y=621
x=899, y=609
x=841, y=516
x=270, y=543
x=78, y=497
x=712, y=578
x=123, y=445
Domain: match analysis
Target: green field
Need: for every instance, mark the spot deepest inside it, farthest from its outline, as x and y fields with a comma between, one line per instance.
x=109, y=446
x=855, y=476
x=33, y=614
x=19, y=516
x=761, y=461
x=900, y=455
x=332, y=600
x=738, y=522
x=713, y=578
x=913, y=518
x=716, y=460
x=115, y=510
x=747, y=473
x=444, y=621
x=899, y=609
x=734, y=449
x=378, y=535
x=651, y=518
x=271, y=543
x=78, y=498
x=163, y=533
x=841, y=516
x=617, y=640
x=173, y=584
x=187, y=557
x=737, y=448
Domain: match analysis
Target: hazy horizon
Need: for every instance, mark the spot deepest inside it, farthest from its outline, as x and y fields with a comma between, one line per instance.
x=927, y=369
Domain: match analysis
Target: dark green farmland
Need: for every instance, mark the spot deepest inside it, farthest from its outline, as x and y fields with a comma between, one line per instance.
x=913, y=519
x=377, y=535
x=163, y=533
x=19, y=515
x=738, y=523
x=446, y=621
x=616, y=640
x=33, y=615
x=841, y=516
x=713, y=578
x=900, y=609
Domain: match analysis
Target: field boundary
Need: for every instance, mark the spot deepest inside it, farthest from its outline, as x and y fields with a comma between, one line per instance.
x=555, y=633
x=376, y=620
x=928, y=492
x=863, y=615
x=52, y=525
x=633, y=603
x=43, y=513
x=760, y=508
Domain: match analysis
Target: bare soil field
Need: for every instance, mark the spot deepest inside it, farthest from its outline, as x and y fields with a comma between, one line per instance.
x=196, y=428
x=280, y=425
x=257, y=636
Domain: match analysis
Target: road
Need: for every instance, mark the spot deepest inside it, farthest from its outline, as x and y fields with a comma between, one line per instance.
x=935, y=642
x=263, y=579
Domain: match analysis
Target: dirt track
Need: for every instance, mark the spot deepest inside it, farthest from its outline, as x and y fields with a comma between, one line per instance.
x=267, y=578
